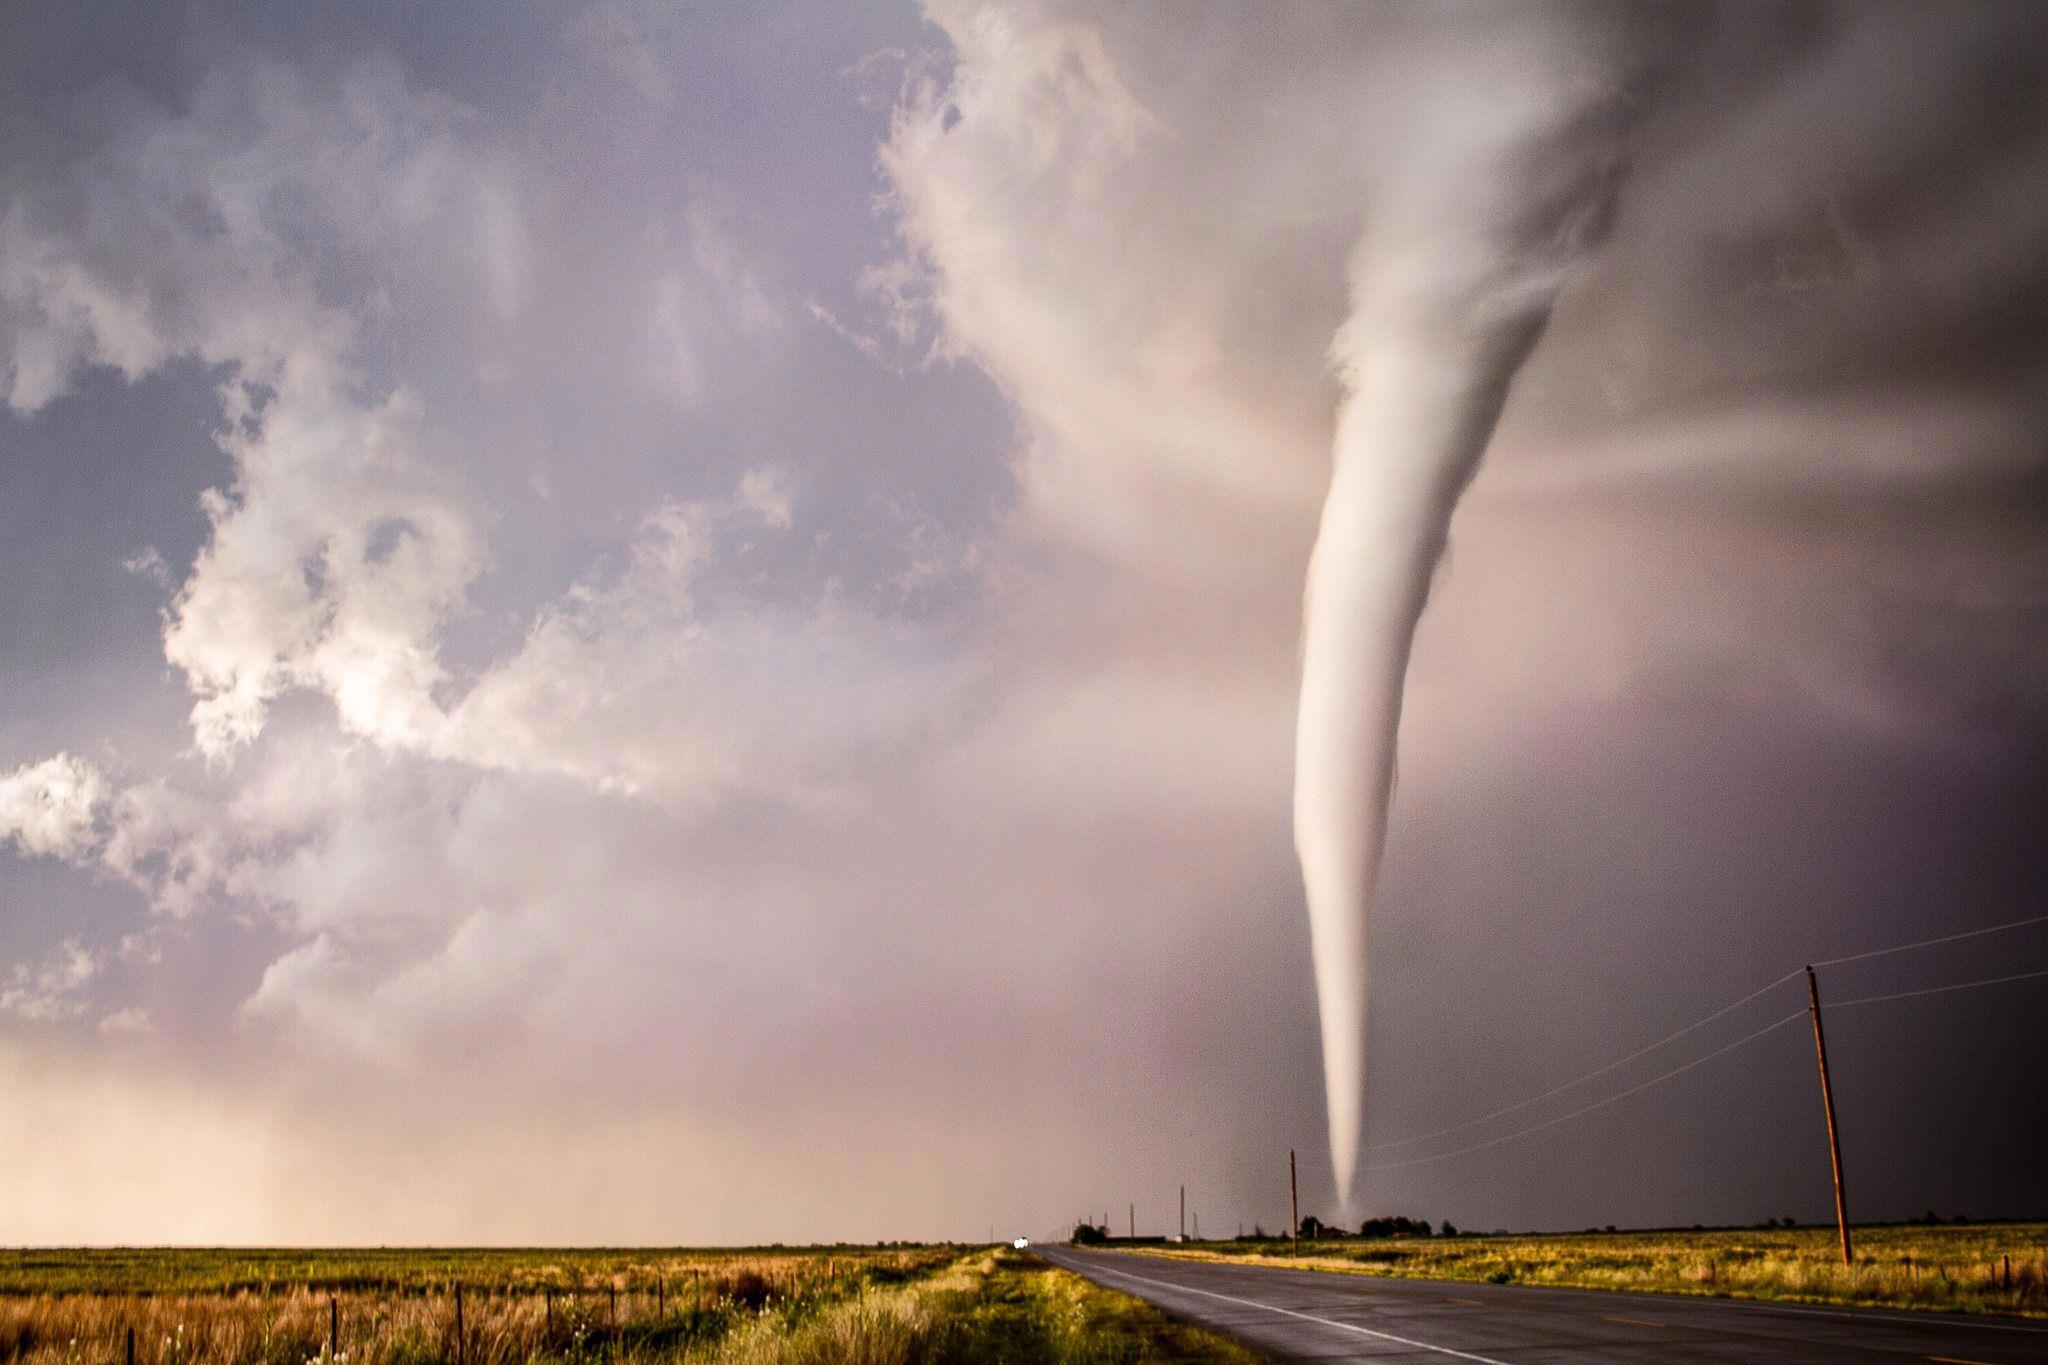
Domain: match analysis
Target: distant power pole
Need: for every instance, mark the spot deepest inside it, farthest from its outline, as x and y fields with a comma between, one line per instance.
x=1134, y=1222
x=1198, y=1225
x=1183, y=1213
x=1293, y=1203
x=1827, y=1099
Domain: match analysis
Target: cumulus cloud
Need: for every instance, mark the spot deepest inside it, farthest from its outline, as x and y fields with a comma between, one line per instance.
x=51, y=808
x=336, y=554
x=53, y=990
x=612, y=697
x=127, y=1021
x=636, y=681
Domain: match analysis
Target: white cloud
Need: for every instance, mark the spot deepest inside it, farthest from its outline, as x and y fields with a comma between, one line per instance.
x=634, y=682
x=612, y=748
x=51, y=808
x=54, y=990
x=732, y=270
x=148, y=562
x=128, y=1020
x=335, y=555
x=1155, y=291
x=768, y=495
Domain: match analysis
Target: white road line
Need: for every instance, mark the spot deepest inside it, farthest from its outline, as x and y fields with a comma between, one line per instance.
x=1688, y=1301
x=1305, y=1317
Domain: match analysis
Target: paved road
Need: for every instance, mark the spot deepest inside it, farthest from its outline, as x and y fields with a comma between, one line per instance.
x=1306, y=1315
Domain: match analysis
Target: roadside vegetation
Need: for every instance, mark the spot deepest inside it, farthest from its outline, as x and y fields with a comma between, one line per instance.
x=902, y=1306
x=1965, y=1268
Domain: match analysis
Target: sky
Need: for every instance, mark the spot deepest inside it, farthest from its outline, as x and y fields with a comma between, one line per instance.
x=659, y=623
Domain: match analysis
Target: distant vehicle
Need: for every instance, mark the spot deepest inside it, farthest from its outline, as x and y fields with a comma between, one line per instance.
x=1021, y=1243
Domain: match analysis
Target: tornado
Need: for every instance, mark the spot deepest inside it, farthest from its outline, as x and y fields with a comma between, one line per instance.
x=1503, y=178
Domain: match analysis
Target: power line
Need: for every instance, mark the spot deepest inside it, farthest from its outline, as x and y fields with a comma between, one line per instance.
x=1936, y=990
x=1598, y=1104
x=1931, y=942
x=1597, y=1071
x=1728, y=1047
x=1644, y=1051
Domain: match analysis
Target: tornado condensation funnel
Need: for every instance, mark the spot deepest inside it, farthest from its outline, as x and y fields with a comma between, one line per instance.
x=1507, y=183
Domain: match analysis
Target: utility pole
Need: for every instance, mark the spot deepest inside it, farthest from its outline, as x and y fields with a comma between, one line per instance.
x=1183, y=1213
x=1198, y=1225
x=1293, y=1203
x=1827, y=1099
x=1134, y=1222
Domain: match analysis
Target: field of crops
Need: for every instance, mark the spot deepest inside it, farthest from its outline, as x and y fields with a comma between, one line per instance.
x=1970, y=1268
x=884, y=1306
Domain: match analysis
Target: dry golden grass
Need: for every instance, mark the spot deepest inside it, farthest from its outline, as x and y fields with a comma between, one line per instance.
x=1973, y=1268
x=864, y=1307
x=402, y=1307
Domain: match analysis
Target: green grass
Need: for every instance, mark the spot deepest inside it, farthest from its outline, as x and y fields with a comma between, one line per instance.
x=1025, y=1310
x=756, y=1307
x=165, y=1270
x=1955, y=1268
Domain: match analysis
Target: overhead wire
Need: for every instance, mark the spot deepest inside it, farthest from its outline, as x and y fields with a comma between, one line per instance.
x=1932, y=942
x=1936, y=990
x=1717, y=1052
x=1597, y=1104
x=1590, y=1075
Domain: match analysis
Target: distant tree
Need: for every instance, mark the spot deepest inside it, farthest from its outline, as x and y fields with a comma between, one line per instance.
x=1088, y=1234
x=1394, y=1227
x=1449, y=1229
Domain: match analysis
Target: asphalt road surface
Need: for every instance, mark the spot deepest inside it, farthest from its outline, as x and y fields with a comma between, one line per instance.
x=1307, y=1315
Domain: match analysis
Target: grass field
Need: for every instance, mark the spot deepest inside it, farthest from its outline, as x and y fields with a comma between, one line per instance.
x=876, y=1307
x=1972, y=1268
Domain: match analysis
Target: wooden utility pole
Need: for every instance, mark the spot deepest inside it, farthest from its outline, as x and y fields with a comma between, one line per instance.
x=1183, y=1213
x=1134, y=1222
x=1293, y=1203
x=1827, y=1099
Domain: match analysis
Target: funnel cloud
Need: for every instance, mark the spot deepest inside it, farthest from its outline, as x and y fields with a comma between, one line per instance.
x=1466, y=246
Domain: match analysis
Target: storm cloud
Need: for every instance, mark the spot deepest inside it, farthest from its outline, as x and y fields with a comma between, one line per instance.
x=684, y=624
